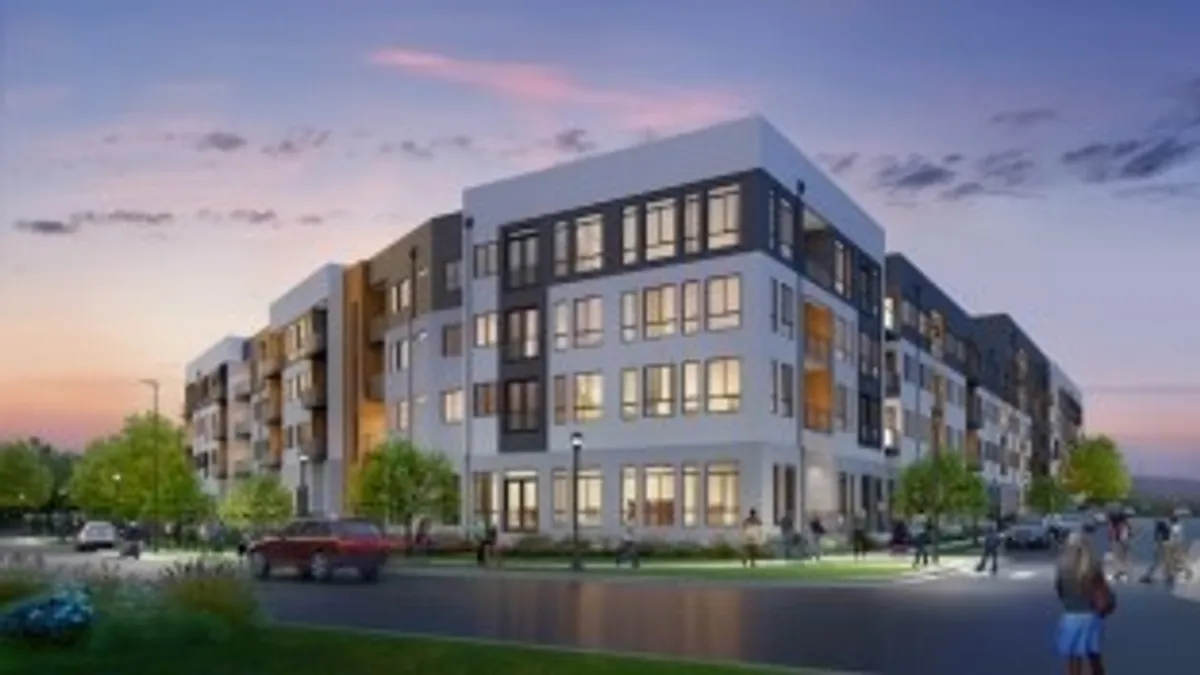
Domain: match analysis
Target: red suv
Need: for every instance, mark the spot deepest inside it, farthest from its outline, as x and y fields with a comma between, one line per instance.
x=318, y=548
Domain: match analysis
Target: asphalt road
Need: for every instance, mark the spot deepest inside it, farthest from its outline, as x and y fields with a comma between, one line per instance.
x=955, y=625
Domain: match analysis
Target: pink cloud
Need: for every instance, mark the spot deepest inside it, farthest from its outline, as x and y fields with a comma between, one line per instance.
x=536, y=84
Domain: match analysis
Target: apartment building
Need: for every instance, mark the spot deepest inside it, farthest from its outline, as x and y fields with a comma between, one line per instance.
x=706, y=311
x=217, y=412
x=975, y=384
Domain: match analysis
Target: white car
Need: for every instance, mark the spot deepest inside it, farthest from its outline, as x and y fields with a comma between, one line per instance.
x=95, y=535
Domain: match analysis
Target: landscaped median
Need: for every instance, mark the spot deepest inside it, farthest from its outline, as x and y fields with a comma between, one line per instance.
x=201, y=618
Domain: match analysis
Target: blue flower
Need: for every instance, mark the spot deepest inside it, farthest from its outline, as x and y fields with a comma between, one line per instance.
x=54, y=617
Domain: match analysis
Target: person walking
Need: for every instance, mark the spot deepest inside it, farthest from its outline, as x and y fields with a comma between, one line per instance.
x=628, y=551
x=1162, y=551
x=752, y=539
x=921, y=544
x=1121, y=534
x=991, y=550
x=858, y=536
x=816, y=530
x=1087, y=600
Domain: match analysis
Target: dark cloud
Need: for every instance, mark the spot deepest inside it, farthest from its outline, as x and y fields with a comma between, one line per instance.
x=1007, y=168
x=913, y=174
x=1022, y=118
x=253, y=216
x=838, y=163
x=572, y=141
x=123, y=217
x=298, y=141
x=963, y=191
x=1130, y=159
x=312, y=219
x=221, y=141
x=52, y=228
x=409, y=149
x=1161, y=192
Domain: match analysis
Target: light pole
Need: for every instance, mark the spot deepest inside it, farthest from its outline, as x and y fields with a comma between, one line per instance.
x=576, y=450
x=117, y=482
x=410, y=339
x=154, y=387
x=302, y=490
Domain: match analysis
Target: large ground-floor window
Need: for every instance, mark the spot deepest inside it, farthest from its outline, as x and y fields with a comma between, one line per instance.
x=723, y=488
x=520, y=502
x=591, y=488
x=659, y=504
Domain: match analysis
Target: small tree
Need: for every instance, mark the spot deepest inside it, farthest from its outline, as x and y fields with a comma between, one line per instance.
x=1046, y=495
x=26, y=481
x=257, y=503
x=1095, y=469
x=398, y=482
x=933, y=485
x=971, y=495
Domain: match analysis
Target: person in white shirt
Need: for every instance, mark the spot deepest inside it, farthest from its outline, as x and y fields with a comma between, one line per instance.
x=752, y=539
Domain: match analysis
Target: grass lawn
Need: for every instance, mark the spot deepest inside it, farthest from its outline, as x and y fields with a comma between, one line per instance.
x=829, y=570
x=303, y=651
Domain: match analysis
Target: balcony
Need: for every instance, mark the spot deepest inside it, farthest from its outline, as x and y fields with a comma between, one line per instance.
x=270, y=409
x=315, y=344
x=375, y=387
x=891, y=384
x=242, y=390
x=269, y=366
x=818, y=352
x=241, y=429
x=315, y=448
x=217, y=391
x=818, y=418
x=313, y=397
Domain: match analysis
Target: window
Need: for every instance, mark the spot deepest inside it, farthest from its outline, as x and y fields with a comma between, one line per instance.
x=691, y=307
x=660, y=229
x=589, y=321
x=658, y=503
x=562, y=398
x=723, y=487
x=484, y=399
x=589, y=396
x=487, y=330
x=452, y=344
x=404, y=293
x=401, y=415
x=629, y=316
x=691, y=495
x=523, y=408
x=452, y=406
x=724, y=385
x=562, y=325
x=453, y=273
x=786, y=382
x=691, y=224
x=589, y=489
x=724, y=223
x=487, y=259
x=521, y=340
x=629, y=495
x=841, y=409
x=562, y=249
x=393, y=300
x=659, y=388
x=787, y=311
x=784, y=481
x=843, y=265
x=787, y=228
x=520, y=502
x=629, y=393
x=400, y=355
x=690, y=388
x=844, y=340
x=724, y=302
x=522, y=259
x=889, y=313
x=629, y=235
x=658, y=306
x=589, y=243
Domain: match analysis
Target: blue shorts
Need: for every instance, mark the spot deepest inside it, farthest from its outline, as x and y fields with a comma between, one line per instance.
x=1080, y=635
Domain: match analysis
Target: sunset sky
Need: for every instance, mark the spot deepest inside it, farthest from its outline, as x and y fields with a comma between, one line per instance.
x=167, y=168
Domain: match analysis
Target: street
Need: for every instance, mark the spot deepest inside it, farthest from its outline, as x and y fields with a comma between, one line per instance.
x=961, y=623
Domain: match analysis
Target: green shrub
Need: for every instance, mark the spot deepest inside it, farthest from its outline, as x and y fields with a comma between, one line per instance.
x=22, y=577
x=105, y=583
x=155, y=629
x=210, y=586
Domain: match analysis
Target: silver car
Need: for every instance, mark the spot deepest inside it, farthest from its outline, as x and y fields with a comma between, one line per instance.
x=96, y=535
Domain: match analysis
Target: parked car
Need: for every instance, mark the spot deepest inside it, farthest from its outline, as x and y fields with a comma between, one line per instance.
x=1029, y=533
x=96, y=535
x=317, y=548
x=1062, y=524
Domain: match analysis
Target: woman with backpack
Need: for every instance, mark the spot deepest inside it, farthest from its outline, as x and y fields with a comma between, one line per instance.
x=1087, y=600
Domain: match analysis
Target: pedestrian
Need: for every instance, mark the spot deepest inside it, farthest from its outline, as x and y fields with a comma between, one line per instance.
x=752, y=539
x=1162, y=538
x=858, y=536
x=1121, y=533
x=817, y=531
x=991, y=550
x=787, y=534
x=1177, y=550
x=1086, y=600
x=921, y=547
x=628, y=551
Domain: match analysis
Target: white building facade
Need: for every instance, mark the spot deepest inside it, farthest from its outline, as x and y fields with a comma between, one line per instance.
x=217, y=407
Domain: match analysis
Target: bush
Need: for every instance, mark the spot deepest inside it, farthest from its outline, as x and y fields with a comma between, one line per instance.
x=155, y=628
x=209, y=586
x=22, y=577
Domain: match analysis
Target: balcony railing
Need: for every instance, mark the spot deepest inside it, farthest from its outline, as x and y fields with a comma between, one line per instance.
x=314, y=345
x=313, y=397
x=818, y=418
x=818, y=352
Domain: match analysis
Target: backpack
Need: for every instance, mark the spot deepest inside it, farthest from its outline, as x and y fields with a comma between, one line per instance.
x=1162, y=531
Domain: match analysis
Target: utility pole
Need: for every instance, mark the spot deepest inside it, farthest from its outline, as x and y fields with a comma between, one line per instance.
x=801, y=519
x=157, y=450
x=467, y=336
x=410, y=330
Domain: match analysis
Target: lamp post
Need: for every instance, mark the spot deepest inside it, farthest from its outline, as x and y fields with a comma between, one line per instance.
x=302, y=490
x=154, y=387
x=117, y=482
x=576, y=450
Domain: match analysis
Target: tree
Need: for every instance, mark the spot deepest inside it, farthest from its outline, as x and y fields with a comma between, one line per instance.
x=1095, y=470
x=399, y=482
x=257, y=503
x=117, y=474
x=937, y=484
x=1046, y=494
x=25, y=480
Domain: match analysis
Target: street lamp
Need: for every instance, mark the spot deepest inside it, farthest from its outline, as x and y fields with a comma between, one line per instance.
x=576, y=450
x=154, y=387
x=117, y=482
x=302, y=491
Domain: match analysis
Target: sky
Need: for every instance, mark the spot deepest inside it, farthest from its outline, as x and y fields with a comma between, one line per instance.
x=168, y=168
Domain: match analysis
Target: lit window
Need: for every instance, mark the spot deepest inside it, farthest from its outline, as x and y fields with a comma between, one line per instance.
x=452, y=406
x=723, y=485
x=691, y=391
x=589, y=490
x=521, y=340
x=691, y=224
x=659, y=307
x=691, y=307
x=629, y=316
x=787, y=228
x=589, y=243
x=724, y=302
x=486, y=330
x=562, y=400
x=724, y=385
x=588, y=396
x=562, y=325
x=658, y=497
x=589, y=321
x=562, y=249
x=659, y=390
x=629, y=235
x=691, y=495
x=629, y=393
x=724, y=222
x=660, y=229
x=629, y=495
